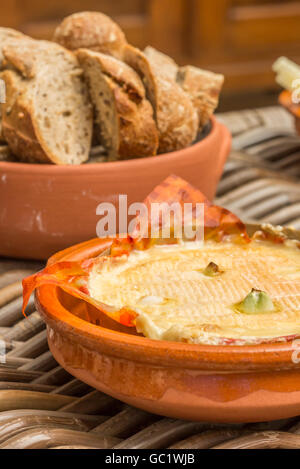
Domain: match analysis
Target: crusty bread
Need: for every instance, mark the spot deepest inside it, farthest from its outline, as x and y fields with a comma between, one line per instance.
x=122, y=112
x=203, y=87
x=91, y=30
x=177, y=119
x=18, y=128
x=47, y=116
x=182, y=98
x=161, y=63
x=137, y=60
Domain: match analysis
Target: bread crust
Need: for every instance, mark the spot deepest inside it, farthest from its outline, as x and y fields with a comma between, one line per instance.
x=122, y=74
x=137, y=60
x=6, y=35
x=18, y=128
x=136, y=130
x=91, y=30
x=161, y=63
x=176, y=116
x=176, y=119
x=21, y=56
x=203, y=87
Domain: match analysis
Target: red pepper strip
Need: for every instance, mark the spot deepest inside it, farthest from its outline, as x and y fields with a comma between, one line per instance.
x=121, y=246
x=218, y=222
x=72, y=277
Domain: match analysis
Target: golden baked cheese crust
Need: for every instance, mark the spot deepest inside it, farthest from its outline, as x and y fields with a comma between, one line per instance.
x=175, y=299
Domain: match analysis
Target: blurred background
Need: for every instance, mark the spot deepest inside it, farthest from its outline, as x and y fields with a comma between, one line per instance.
x=239, y=38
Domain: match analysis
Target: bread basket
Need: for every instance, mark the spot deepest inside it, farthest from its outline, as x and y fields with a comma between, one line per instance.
x=45, y=208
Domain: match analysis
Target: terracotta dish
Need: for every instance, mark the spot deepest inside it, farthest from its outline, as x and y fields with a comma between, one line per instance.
x=45, y=208
x=196, y=382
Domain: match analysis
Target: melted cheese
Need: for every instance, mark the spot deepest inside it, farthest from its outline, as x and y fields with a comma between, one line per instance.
x=174, y=300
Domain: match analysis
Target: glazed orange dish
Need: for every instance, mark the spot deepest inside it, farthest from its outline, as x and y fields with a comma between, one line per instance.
x=228, y=289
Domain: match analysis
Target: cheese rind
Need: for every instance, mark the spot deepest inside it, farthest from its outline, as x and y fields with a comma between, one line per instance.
x=174, y=300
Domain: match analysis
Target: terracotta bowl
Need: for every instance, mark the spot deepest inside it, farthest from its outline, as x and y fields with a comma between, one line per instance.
x=45, y=208
x=194, y=382
x=285, y=99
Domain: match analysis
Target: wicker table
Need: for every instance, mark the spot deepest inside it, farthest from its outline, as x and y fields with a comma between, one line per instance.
x=42, y=406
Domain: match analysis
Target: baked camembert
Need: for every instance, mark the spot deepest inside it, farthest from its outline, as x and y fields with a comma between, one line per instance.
x=210, y=293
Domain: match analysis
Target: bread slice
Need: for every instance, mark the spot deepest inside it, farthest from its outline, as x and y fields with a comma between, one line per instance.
x=17, y=121
x=122, y=112
x=135, y=58
x=177, y=119
x=203, y=87
x=91, y=30
x=48, y=116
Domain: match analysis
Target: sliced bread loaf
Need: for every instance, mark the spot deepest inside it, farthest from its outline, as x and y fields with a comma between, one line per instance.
x=123, y=114
x=91, y=30
x=48, y=116
x=176, y=119
x=183, y=99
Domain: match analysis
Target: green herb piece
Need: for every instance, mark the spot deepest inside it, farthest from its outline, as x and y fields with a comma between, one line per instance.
x=256, y=302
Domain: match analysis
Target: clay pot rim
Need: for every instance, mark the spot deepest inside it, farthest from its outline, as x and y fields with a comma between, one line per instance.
x=270, y=356
x=110, y=165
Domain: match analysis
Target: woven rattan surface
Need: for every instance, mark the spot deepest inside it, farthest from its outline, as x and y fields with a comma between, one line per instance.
x=42, y=406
